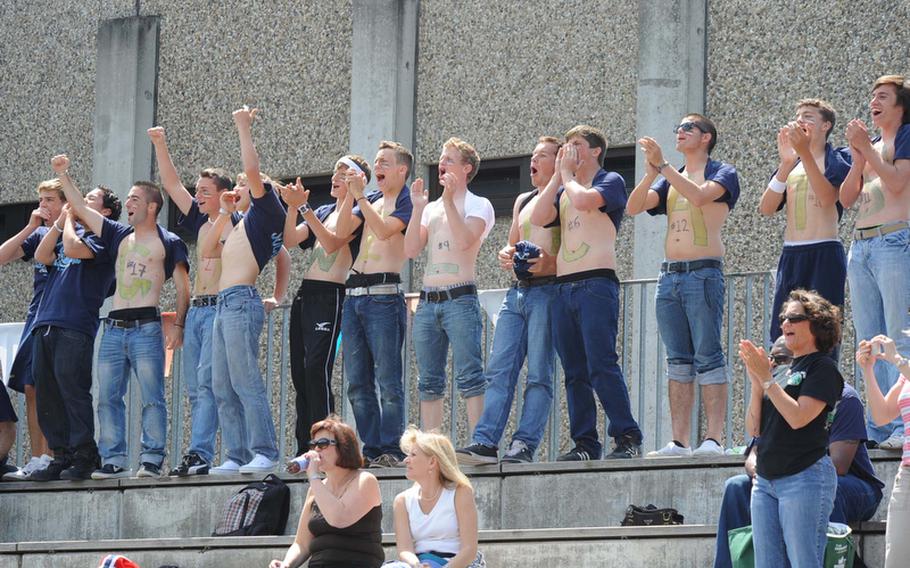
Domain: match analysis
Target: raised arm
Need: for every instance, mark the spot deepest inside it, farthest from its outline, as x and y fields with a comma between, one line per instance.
x=895, y=176
x=825, y=192
x=354, y=503
x=243, y=119
x=749, y=354
x=383, y=228
x=12, y=249
x=643, y=197
x=774, y=192
x=544, y=211
x=181, y=278
x=73, y=246
x=465, y=231
x=170, y=179
x=89, y=217
x=882, y=407
x=211, y=244
x=698, y=195
x=582, y=198
x=415, y=238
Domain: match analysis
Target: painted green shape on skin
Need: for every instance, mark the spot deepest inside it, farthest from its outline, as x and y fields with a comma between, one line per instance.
x=800, y=184
x=323, y=260
x=696, y=217
x=577, y=254
x=139, y=286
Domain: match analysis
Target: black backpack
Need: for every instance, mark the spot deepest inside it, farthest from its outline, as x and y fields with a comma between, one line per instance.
x=260, y=508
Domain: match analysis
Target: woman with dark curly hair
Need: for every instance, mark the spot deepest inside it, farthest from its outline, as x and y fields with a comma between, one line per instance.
x=795, y=481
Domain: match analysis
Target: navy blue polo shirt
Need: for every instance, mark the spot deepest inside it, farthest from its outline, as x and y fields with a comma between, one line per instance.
x=837, y=166
x=29, y=246
x=113, y=233
x=402, y=210
x=720, y=173
x=322, y=213
x=612, y=187
x=264, y=226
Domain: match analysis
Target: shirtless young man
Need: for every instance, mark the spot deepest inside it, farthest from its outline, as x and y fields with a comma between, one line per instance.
x=145, y=256
x=247, y=429
x=374, y=319
x=807, y=182
x=22, y=245
x=878, y=266
x=587, y=203
x=522, y=328
x=452, y=228
x=317, y=307
x=696, y=199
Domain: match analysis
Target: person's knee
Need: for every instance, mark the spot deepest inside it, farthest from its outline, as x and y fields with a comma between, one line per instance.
x=715, y=376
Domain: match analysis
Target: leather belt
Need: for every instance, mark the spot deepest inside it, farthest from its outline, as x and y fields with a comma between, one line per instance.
x=690, y=265
x=204, y=301
x=130, y=324
x=437, y=296
x=880, y=231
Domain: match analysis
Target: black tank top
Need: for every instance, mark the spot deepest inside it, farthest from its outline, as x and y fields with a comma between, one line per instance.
x=356, y=546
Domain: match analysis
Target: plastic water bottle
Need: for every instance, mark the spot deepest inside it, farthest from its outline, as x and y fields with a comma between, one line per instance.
x=298, y=464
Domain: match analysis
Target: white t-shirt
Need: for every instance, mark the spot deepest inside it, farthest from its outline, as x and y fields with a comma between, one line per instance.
x=474, y=206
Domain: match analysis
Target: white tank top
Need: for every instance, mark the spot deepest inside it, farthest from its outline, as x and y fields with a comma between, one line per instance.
x=437, y=531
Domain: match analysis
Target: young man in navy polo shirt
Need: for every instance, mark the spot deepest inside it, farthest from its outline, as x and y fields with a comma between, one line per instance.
x=587, y=203
x=878, y=265
x=247, y=429
x=696, y=199
x=145, y=256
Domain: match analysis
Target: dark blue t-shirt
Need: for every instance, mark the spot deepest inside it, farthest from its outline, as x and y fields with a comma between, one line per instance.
x=75, y=289
x=720, y=173
x=195, y=219
x=403, y=205
x=322, y=213
x=849, y=423
x=29, y=246
x=113, y=233
x=264, y=225
x=837, y=166
x=612, y=188
x=902, y=143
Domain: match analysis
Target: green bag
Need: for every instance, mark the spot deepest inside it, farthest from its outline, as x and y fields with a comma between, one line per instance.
x=741, y=552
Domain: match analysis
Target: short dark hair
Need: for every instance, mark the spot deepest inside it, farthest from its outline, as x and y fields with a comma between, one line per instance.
x=706, y=125
x=152, y=193
x=402, y=154
x=109, y=200
x=824, y=108
x=221, y=178
x=594, y=137
x=824, y=318
x=902, y=88
x=348, y=447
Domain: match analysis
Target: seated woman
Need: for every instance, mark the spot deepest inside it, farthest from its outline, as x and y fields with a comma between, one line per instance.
x=885, y=408
x=795, y=482
x=340, y=526
x=436, y=519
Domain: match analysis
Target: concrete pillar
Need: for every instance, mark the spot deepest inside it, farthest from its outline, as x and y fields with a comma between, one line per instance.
x=671, y=82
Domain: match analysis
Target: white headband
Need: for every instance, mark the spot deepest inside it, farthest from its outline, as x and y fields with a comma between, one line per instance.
x=351, y=164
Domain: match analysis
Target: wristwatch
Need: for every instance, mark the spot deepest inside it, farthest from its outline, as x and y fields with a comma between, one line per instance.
x=662, y=165
x=767, y=384
x=304, y=209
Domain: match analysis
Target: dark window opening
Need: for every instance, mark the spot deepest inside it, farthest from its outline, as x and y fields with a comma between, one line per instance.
x=14, y=217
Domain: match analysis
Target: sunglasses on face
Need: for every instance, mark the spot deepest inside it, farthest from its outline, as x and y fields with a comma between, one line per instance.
x=687, y=127
x=779, y=359
x=322, y=443
x=793, y=318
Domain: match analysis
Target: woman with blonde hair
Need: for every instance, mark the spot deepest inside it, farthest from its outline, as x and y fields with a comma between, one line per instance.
x=436, y=519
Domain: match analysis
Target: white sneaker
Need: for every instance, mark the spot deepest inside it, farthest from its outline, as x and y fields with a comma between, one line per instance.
x=33, y=465
x=229, y=467
x=894, y=442
x=671, y=450
x=709, y=448
x=260, y=464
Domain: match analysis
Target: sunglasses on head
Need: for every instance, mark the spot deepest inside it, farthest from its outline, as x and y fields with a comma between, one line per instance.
x=687, y=126
x=322, y=443
x=793, y=318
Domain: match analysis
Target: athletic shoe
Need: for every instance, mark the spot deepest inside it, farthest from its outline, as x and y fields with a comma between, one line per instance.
x=191, y=464
x=894, y=442
x=52, y=471
x=259, y=464
x=627, y=447
x=575, y=454
x=33, y=465
x=148, y=469
x=477, y=454
x=385, y=461
x=671, y=450
x=110, y=471
x=229, y=467
x=5, y=468
x=708, y=448
x=518, y=452
x=81, y=470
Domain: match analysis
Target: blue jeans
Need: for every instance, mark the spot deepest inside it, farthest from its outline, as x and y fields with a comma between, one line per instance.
x=372, y=334
x=138, y=352
x=197, y=374
x=435, y=325
x=523, y=328
x=243, y=409
x=790, y=517
x=690, y=312
x=856, y=500
x=585, y=315
x=878, y=271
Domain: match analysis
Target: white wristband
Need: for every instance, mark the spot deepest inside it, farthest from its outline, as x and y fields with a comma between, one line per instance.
x=776, y=185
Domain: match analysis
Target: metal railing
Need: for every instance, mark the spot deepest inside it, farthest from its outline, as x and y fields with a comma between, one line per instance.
x=746, y=315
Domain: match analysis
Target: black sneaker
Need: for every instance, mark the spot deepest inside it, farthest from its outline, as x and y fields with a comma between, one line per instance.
x=51, y=472
x=191, y=464
x=79, y=471
x=627, y=447
x=518, y=452
x=110, y=471
x=576, y=454
x=6, y=468
x=385, y=461
x=148, y=469
x=477, y=454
